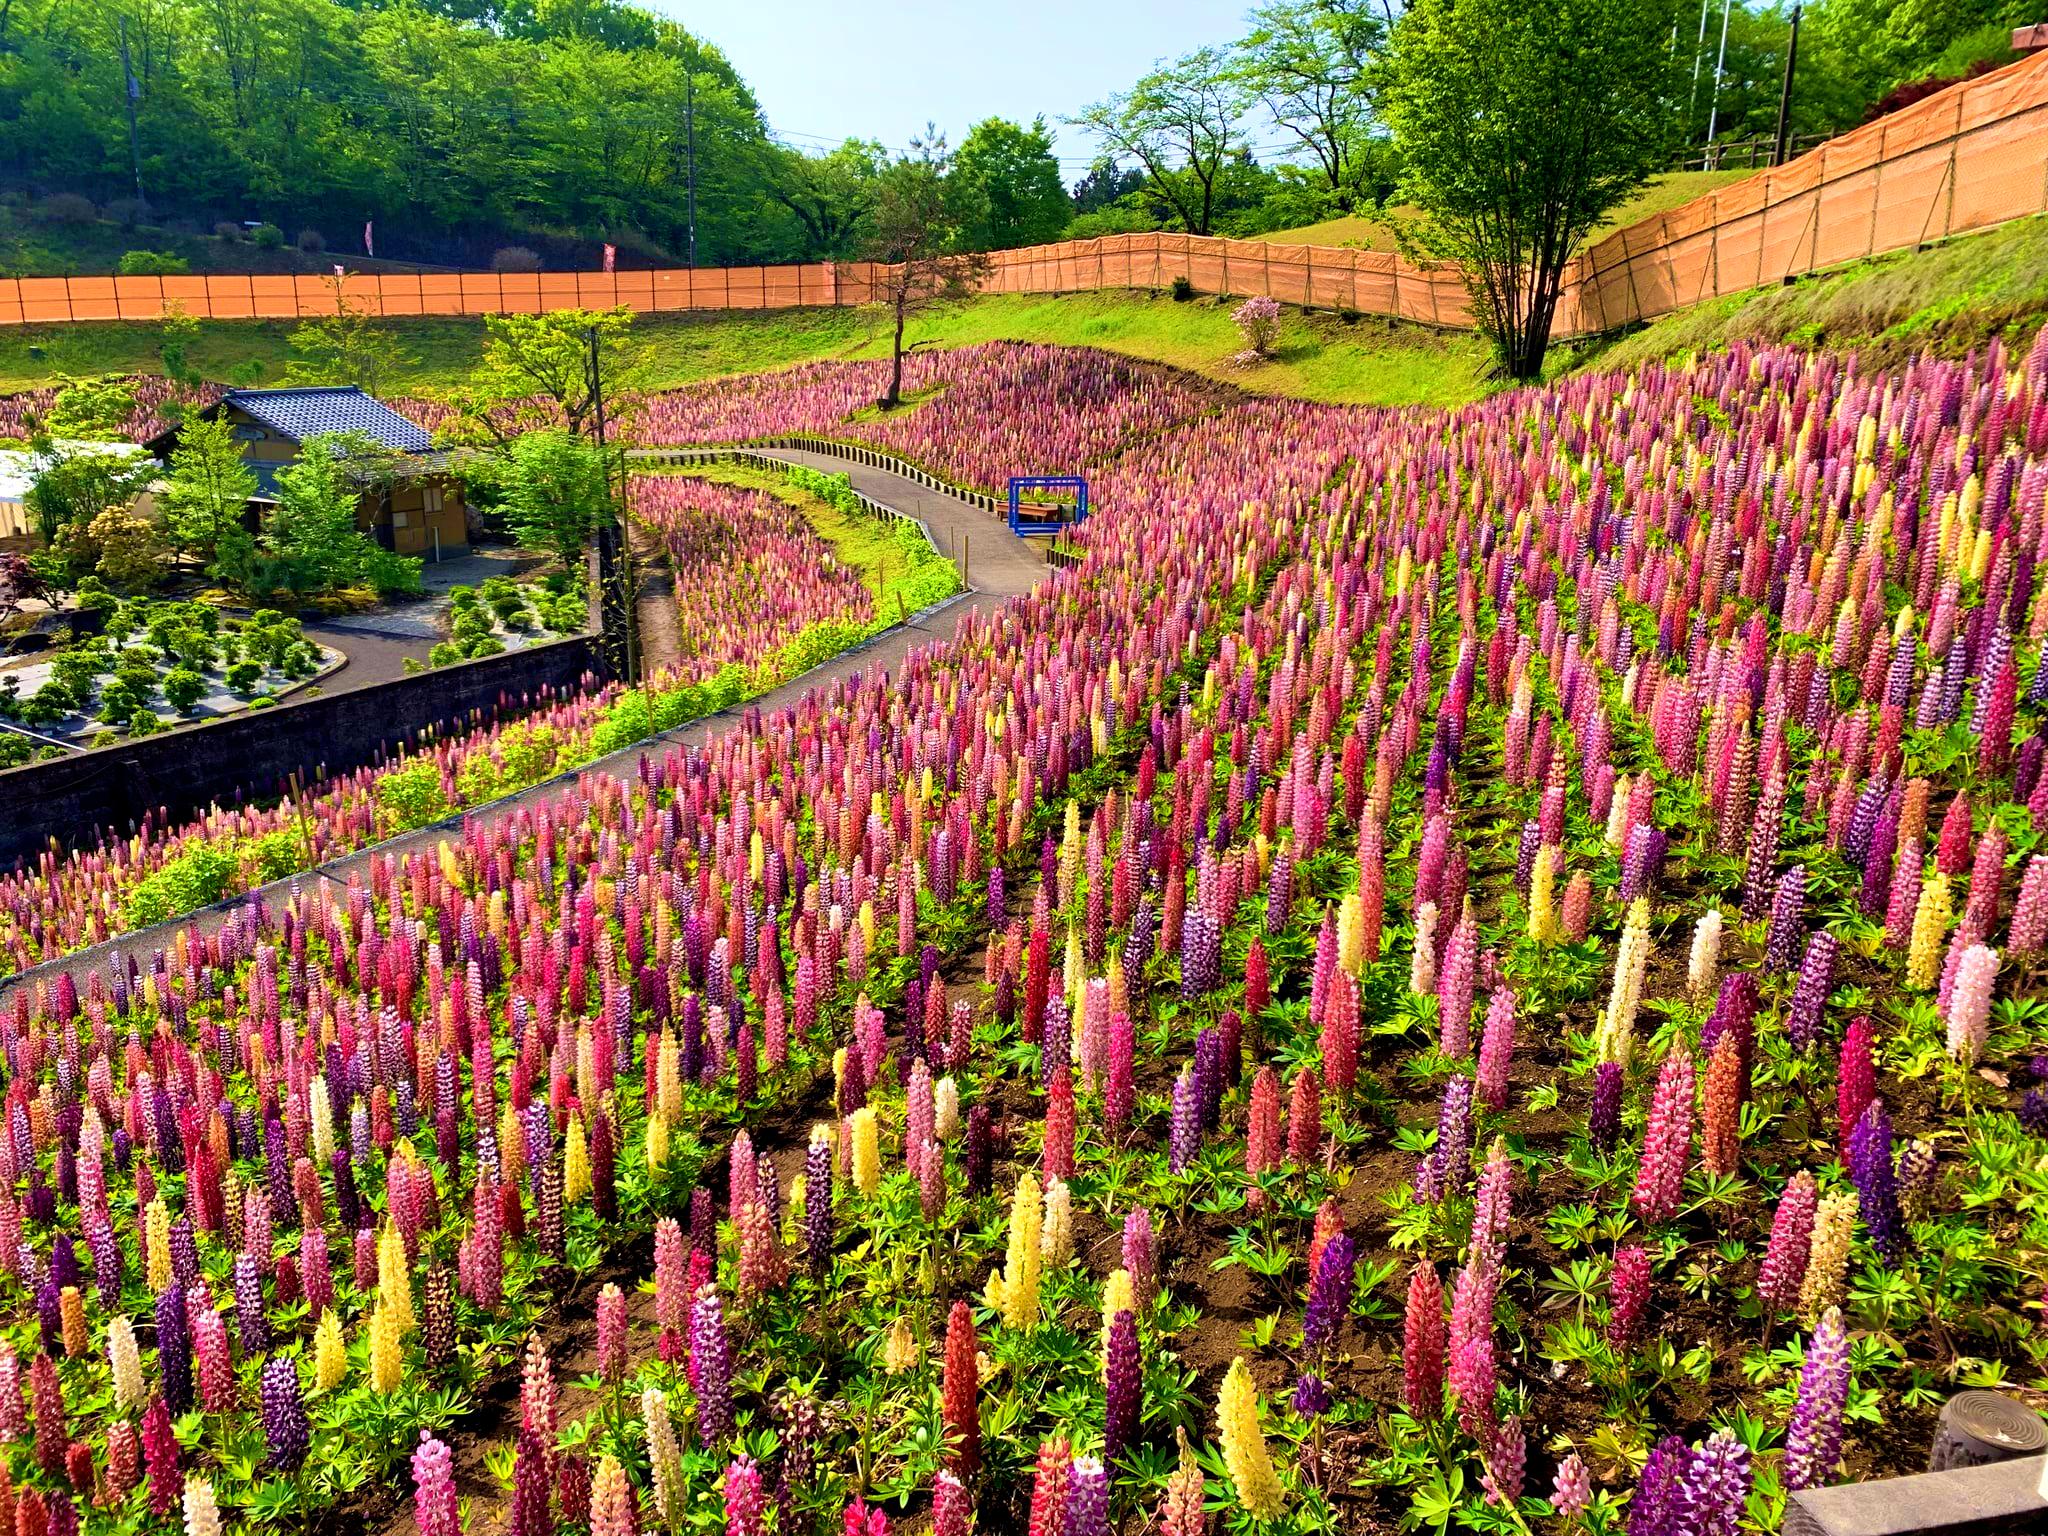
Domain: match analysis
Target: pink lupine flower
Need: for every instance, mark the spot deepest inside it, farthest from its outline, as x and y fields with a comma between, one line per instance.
x=1667, y=1139
x=1969, y=1005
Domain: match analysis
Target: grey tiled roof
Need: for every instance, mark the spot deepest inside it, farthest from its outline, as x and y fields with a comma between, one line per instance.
x=302, y=413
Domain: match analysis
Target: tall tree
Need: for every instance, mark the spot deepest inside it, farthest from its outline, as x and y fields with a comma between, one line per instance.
x=1314, y=65
x=536, y=371
x=1006, y=186
x=555, y=494
x=1180, y=123
x=1520, y=126
x=208, y=487
x=913, y=233
x=829, y=195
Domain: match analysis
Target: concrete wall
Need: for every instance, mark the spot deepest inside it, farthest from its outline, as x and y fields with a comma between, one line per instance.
x=252, y=755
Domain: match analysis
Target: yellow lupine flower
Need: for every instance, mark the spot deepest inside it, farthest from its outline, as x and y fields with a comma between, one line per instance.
x=1056, y=1240
x=387, y=1357
x=1021, y=1267
x=394, y=1283
x=157, y=1223
x=575, y=1164
x=945, y=1109
x=1930, y=927
x=126, y=1362
x=330, y=1354
x=1542, y=896
x=668, y=1077
x=865, y=1152
x=657, y=1143
x=1244, y=1444
x=1351, y=935
x=1117, y=1296
x=1827, y=1264
x=899, y=1349
x=321, y=1113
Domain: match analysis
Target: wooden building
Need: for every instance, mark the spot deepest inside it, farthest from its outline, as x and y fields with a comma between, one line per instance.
x=421, y=514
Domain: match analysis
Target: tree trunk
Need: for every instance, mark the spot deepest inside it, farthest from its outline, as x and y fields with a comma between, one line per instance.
x=895, y=396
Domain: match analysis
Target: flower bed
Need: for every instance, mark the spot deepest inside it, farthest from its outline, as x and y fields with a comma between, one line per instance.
x=1469, y=969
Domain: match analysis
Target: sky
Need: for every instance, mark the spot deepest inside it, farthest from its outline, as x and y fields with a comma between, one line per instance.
x=828, y=70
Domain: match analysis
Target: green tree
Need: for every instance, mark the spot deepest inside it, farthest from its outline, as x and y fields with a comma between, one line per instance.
x=208, y=488
x=555, y=494
x=76, y=485
x=347, y=347
x=536, y=371
x=829, y=195
x=913, y=233
x=1179, y=122
x=1315, y=64
x=1006, y=189
x=1520, y=126
x=310, y=535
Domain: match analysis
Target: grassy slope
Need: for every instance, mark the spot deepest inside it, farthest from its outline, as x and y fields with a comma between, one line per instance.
x=1660, y=195
x=1948, y=298
x=1320, y=356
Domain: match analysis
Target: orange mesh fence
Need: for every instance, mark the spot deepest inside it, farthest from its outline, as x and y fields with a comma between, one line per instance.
x=1972, y=156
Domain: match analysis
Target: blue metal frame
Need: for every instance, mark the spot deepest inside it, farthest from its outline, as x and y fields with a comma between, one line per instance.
x=1023, y=522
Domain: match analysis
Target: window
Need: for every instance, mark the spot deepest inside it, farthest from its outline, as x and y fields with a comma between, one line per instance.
x=430, y=498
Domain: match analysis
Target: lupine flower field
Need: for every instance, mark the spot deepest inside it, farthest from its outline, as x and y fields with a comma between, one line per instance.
x=1471, y=969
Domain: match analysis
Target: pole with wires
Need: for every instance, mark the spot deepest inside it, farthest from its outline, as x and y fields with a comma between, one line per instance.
x=1778, y=155
x=1720, y=61
x=690, y=151
x=614, y=547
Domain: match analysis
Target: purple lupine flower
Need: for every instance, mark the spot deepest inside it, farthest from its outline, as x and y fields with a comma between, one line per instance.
x=818, y=1208
x=1087, y=1508
x=1715, y=1486
x=1312, y=1398
x=1446, y=1168
x=286, y=1429
x=1813, y=1436
x=1137, y=1253
x=1603, y=1119
x=1810, y=995
x=1869, y=1159
x=1123, y=1384
x=1329, y=1293
x=711, y=1359
x=250, y=1321
x=1787, y=920
x=174, y=1349
x=1184, y=1129
x=1201, y=953
x=1655, y=1510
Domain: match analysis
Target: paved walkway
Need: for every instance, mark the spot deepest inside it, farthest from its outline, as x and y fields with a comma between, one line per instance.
x=1001, y=566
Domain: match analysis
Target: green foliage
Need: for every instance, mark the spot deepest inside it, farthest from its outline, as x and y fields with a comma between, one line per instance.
x=182, y=688
x=555, y=494
x=536, y=370
x=347, y=347
x=79, y=484
x=153, y=264
x=208, y=486
x=1519, y=128
x=1005, y=186
x=196, y=878
x=411, y=796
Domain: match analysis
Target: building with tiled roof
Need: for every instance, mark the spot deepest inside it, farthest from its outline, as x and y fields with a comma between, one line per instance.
x=422, y=514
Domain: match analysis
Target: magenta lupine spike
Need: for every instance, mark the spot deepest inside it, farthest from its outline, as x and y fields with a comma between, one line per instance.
x=1506, y=1458
x=1667, y=1139
x=951, y=1508
x=1813, y=1435
x=1137, y=1253
x=1423, y=1341
x=1119, y=1095
x=1488, y=1247
x=1471, y=1373
x=435, y=1508
x=1628, y=1293
x=1856, y=1078
x=745, y=1502
x=1783, y=1269
x=671, y=1286
x=1455, y=988
x=1496, y=1050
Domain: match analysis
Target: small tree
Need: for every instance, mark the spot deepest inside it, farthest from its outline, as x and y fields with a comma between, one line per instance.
x=347, y=347
x=311, y=532
x=208, y=488
x=1180, y=123
x=915, y=238
x=77, y=485
x=555, y=494
x=1520, y=126
x=536, y=372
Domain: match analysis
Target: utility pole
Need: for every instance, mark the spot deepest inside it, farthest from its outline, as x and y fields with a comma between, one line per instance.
x=131, y=88
x=1785, y=93
x=1698, y=53
x=617, y=594
x=690, y=148
x=1720, y=61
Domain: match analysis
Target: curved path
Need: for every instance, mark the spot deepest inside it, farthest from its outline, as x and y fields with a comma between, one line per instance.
x=1001, y=566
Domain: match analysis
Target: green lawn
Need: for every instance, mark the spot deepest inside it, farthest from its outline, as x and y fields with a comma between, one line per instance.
x=1320, y=357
